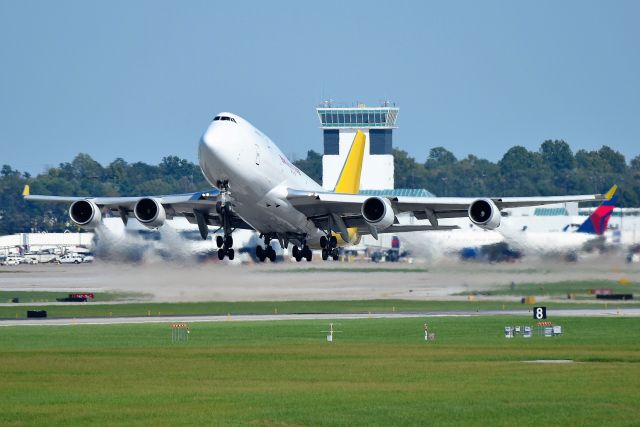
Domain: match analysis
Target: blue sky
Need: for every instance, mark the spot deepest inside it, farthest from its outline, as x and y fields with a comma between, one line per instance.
x=141, y=80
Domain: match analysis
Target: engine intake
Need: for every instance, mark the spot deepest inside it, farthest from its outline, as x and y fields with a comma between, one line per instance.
x=85, y=213
x=150, y=213
x=378, y=212
x=485, y=214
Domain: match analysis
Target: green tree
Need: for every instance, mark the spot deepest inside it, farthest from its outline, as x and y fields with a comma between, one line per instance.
x=311, y=166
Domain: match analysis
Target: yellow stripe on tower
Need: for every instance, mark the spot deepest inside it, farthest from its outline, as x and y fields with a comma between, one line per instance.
x=349, y=180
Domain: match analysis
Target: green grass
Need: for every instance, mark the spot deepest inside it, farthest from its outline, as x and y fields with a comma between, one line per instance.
x=48, y=296
x=282, y=307
x=578, y=288
x=377, y=372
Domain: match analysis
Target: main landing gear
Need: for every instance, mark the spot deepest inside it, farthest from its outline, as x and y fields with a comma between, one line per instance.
x=224, y=247
x=266, y=252
x=298, y=253
x=329, y=248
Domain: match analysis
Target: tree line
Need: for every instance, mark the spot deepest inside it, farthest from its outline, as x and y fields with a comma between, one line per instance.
x=551, y=170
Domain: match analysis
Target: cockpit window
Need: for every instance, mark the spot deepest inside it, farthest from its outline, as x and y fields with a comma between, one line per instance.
x=224, y=118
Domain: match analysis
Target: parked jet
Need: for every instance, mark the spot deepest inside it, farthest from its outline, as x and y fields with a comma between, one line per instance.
x=257, y=187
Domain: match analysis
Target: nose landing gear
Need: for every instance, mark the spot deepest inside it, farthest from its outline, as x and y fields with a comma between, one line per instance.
x=225, y=243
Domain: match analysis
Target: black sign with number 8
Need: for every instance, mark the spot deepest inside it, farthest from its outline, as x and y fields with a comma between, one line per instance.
x=539, y=313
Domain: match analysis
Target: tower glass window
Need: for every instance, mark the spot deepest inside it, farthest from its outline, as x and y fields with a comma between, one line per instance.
x=380, y=141
x=331, y=141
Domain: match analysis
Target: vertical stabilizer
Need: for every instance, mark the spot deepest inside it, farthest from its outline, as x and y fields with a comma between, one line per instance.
x=599, y=219
x=349, y=179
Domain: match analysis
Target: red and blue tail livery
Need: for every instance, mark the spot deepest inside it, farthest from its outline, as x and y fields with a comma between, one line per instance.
x=599, y=219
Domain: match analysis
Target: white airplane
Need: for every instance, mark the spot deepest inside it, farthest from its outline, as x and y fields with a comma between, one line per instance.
x=258, y=188
x=584, y=237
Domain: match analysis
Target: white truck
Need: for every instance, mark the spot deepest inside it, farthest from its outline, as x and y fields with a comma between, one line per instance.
x=70, y=258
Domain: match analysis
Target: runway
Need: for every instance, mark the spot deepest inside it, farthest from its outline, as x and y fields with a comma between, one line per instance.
x=627, y=312
x=173, y=282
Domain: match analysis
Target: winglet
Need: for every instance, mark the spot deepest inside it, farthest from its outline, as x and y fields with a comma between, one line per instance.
x=611, y=192
x=349, y=179
x=26, y=191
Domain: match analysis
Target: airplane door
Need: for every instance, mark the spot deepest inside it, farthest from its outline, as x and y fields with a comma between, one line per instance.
x=257, y=154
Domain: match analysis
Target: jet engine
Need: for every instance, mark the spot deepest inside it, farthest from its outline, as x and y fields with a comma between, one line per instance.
x=150, y=213
x=485, y=214
x=378, y=212
x=85, y=213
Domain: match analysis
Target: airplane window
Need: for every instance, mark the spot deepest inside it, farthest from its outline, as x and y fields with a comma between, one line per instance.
x=224, y=118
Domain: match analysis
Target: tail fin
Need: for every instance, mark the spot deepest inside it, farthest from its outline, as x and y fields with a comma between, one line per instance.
x=599, y=219
x=349, y=179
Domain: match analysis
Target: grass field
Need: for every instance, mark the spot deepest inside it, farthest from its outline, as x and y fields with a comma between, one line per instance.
x=558, y=289
x=377, y=372
x=283, y=307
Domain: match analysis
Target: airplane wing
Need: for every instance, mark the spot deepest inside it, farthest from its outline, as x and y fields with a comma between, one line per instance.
x=324, y=207
x=189, y=205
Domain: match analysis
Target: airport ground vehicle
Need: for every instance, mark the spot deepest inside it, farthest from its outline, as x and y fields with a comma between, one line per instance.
x=11, y=260
x=88, y=258
x=42, y=257
x=70, y=258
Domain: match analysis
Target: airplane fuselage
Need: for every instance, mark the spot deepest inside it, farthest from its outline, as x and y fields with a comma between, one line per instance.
x=234, y=153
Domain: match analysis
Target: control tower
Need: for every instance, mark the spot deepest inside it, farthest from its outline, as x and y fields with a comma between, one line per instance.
x=339, y=126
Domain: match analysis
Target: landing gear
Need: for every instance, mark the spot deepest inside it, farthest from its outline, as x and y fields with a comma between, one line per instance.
x=267, y=252
x=226, y=251
x=223, y=208
x=329, y=248
x=305, y=253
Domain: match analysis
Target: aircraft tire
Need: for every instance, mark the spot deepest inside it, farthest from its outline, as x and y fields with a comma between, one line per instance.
x=323, y=242
x=333, y=242
x=272, y=255
x=221, y=254
x=219, y=241
x=295, y=252
x=325, y=254
x=228, y=241
x=230, y=254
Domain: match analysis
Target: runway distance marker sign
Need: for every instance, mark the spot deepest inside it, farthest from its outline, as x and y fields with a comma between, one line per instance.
x=539, y=313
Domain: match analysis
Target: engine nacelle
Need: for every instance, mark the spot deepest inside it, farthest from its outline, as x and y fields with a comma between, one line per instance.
x=85, y=213
x=378, y=212
x=485, y=214
x=150, y=213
